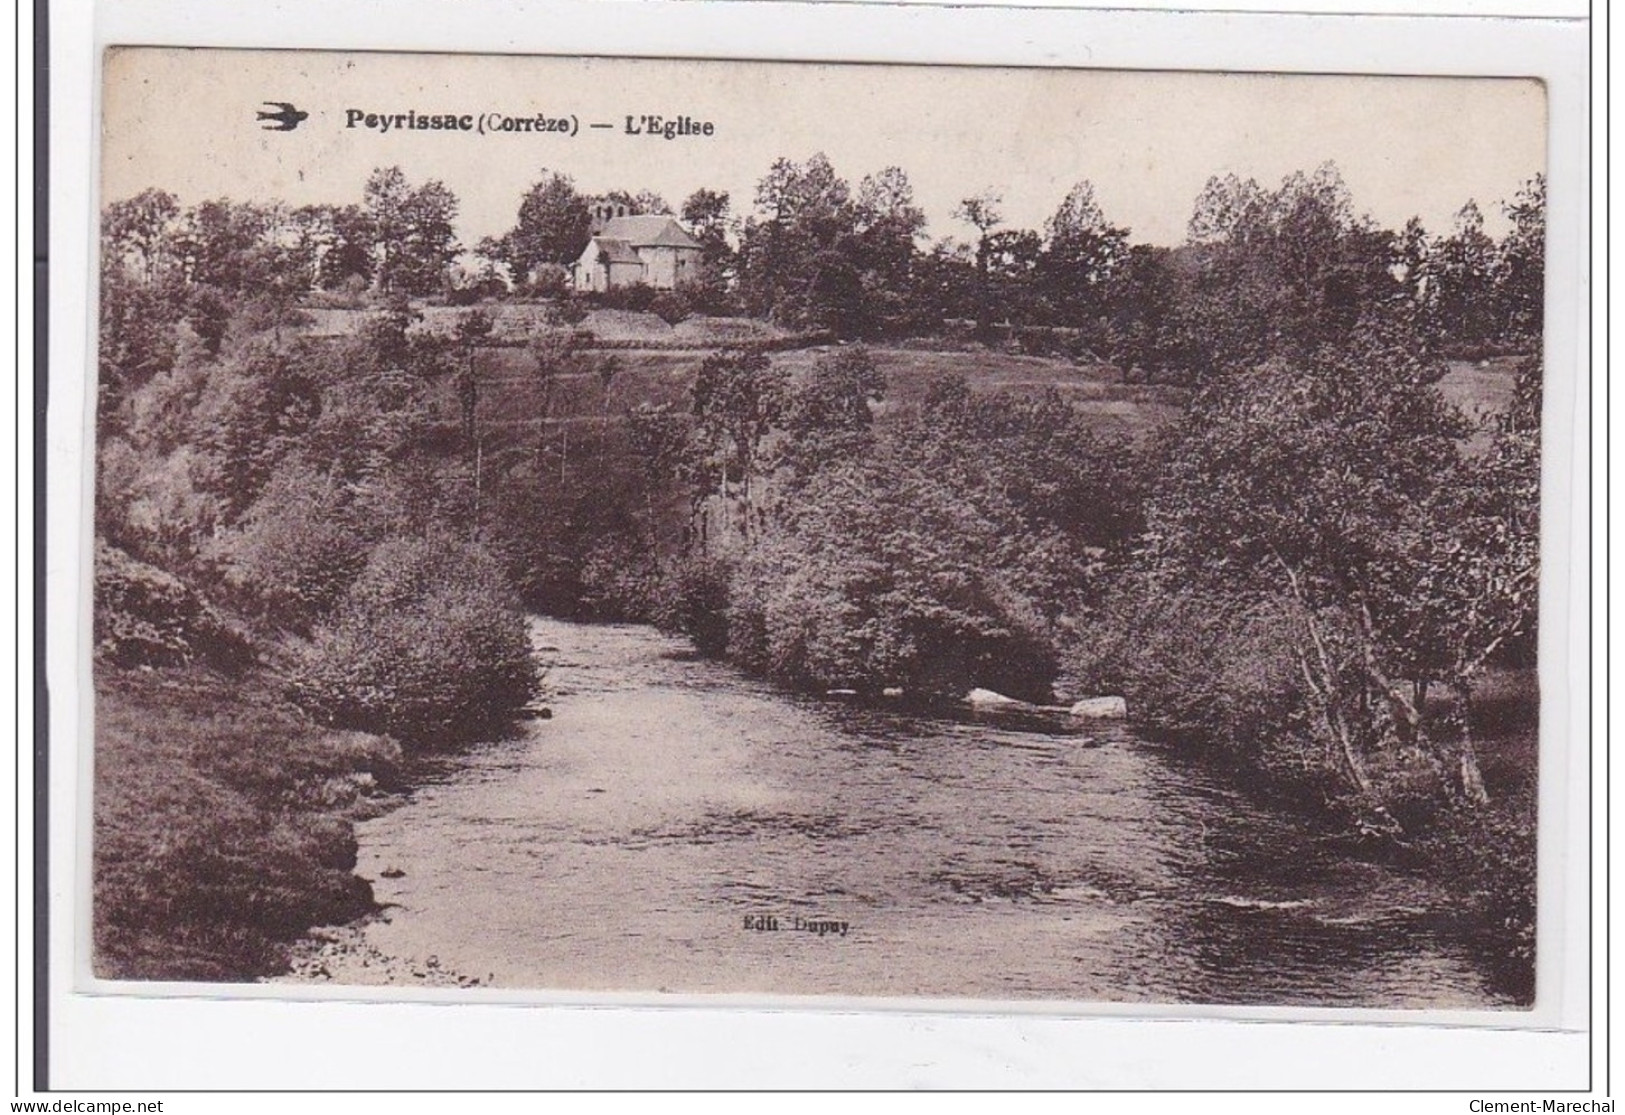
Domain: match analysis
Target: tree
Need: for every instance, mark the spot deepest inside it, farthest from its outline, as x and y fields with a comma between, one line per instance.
x=888, y=227
x=1279, y=272
x=1521, y=274
x=136, y=334
x=1336, y=487
x=982, y=212
x=428, y=644
x=143, y=298
x=552, y=228
x=472, y=331
x=219, y=242
x=828, y=416
x=140, y=231
x=431, y=242
x=1082, y=255
x=881, y=575
x=644, y=202
x=1476, y=574
x=234, y=254
x=339, y=243
x=413, y=237
x=662, y=444
x=928, y=554
x=705, y=212
x=795, y=255
x=738, y=399
x=946, y=283
x=1010, y=261
x=1466, y=269
x=647, y=201
x=258, y=406
x=387, y=195
x=1057, y=493
x=1146, y=333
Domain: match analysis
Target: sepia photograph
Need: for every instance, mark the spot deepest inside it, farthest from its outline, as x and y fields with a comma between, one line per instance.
x=887, y=532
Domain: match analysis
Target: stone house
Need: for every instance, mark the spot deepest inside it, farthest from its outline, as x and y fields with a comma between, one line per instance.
x=626, y=249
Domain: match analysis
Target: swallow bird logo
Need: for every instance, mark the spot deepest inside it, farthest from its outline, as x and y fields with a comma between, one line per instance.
x=285, y=119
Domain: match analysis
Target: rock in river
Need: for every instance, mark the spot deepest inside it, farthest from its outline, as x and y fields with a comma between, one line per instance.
x=1101, y=708
x=986, y=698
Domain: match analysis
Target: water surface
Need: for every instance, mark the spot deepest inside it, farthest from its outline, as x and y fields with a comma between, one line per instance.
x=637, y=839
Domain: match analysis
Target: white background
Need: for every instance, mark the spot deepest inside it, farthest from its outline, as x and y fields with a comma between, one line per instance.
x=132, y=1043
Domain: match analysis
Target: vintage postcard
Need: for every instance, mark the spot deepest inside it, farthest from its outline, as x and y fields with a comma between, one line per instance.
x=576, y=524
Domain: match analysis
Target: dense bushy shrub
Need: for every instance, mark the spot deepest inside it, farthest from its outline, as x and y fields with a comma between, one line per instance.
x=266, y=314
x=886, y=575
x=428, y=644
x=351, y=294
x=570, y=310
x=547, y=280
x=694, y=602
x=147, y=617
x=709, y=295
x=671, y=307
x=1036, y=340
x=209, y=315
x=816, y=619
x=149, y=505
x=1488, y=854
x=255, y=408
x=620, y=580
x=1199, y=665
x=298, y=549
x=633, y=296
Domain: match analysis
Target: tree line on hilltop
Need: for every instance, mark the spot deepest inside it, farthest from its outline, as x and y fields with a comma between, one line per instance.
x=1259, y=267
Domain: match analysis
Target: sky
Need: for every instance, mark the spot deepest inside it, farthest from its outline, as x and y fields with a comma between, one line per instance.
x=186, y=121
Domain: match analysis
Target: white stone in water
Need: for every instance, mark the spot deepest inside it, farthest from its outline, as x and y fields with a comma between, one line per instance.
x=1101, y=708
x=986, y=697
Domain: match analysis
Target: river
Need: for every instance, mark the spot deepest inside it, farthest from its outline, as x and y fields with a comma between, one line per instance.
x=647, y=835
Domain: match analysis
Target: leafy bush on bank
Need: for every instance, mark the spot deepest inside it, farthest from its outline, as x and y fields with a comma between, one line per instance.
x=147, y=617
x=1488, y=854
x=1197, y=664
x=884, y=579
x=429, y=644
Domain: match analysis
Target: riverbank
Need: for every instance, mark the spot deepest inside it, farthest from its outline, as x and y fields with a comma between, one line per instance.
x=224, y=823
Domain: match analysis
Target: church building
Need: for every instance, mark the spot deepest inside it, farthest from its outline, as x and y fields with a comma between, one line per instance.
x=627, y=249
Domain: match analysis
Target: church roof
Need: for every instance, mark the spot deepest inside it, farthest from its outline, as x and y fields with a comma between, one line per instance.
x=616, y=251
x=648, y=232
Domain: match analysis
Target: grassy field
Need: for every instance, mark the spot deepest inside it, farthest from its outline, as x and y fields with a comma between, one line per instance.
x=1481, y=387
x=222, y=824
x=519, y=321
x=512, y=397
x=1097, y=391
